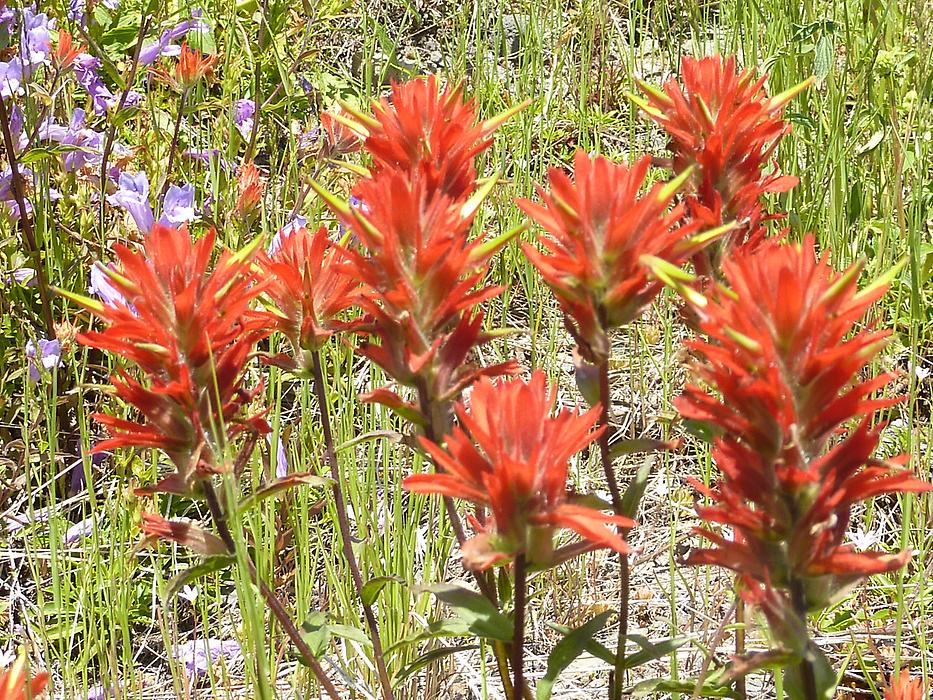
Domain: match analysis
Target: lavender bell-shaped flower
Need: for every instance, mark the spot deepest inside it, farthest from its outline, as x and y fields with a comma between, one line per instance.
x=133, y=196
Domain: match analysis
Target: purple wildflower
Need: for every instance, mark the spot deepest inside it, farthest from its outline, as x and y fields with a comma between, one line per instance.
x=178, y=206
x=25, y=276
x=164, y=46
x=79, y=472
x=101, y=286
x=281, y=457
x=133, y=196
x=80, y=530
x=199, y=655
x=49, y=356
x=85, y=69
x=6, y=191
x=206, y=155
x=20, y=137
x=87, y=142
x=11, y=78
x=244, y=115
x=36, y=37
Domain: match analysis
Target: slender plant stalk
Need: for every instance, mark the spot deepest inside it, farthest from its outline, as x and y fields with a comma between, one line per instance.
x=741, y=689
x=111, y=132
x=344, y=525
x=275, y=605
x=807, y=672
x=502, y=651
x=518, y=637
x=615, y=689
x=25, y=221
x=174, y=145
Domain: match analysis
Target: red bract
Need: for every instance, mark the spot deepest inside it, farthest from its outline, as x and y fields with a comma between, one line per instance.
x=189, y=329
x=340, y=138
x=787, y=363
x=903, y=687
x=249, y=188
x=722, y=121
x=308, y=290
x=599, y=228
x=421, y=272
x=14, y=683
x=517, y=468
x=66, y=51
x=433, y=131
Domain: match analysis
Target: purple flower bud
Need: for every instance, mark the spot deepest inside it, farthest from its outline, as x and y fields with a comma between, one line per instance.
x=281, y=457
x=298, y=222
x=80, y=530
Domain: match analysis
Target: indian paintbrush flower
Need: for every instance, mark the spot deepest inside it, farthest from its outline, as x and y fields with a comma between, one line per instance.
x=419, y=267
x=793, y=414
x=188, y=327
x=16, y=685
x=510, y=453
x=599, y=226
x=722, y=124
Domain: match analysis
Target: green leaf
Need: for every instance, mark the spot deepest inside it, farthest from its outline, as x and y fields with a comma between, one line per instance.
x=354, y=634
x=316, y=632
x=207, y=566
x=823, y=56
x=652, y=650
x=373, y=587
x=427, y=659
x=274, y=488
x=824, y=676
x=591, y=647
x=435, y=630
x=475, y=610
x=566, y=650
x=708, y=689
x=636, y=489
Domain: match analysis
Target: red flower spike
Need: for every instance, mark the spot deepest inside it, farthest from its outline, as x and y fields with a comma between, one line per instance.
x=193, y=65
x=66, y=52
x=190, y=331
x=518, y=469
x=420, y=270
x=787, y=364
x=308, y=289
x=421, y=127
x=249, y=188
x=903, y=687
x=722, y=122
x=16, y=685
x=599, y=228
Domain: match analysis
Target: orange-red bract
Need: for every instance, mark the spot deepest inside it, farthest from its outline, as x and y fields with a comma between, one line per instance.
x=308, y=290
x=421, y=272
x=788, y=364
x=249, y=188
x=66, y=51
x=188, y=327
x=510, y=453
x=14, y=683
x=722, y=121
x=600, y=226
x=903, y=687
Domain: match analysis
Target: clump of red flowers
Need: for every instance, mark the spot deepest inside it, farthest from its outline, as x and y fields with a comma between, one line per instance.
x=510, y=454
x=308, y=291
x=420, y=269
x=722, y=123
x=794, y=414
x=600, y=225
x=249, y=188
x=187, y=326
x=192, y=66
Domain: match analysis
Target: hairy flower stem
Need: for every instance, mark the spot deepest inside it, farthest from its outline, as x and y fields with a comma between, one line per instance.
x=25, y=222
x=174, y=145
x=807, y=673
x=518, y=637
x=344, y=525
x=275, y=605
x=615, y=688
x=502, y=651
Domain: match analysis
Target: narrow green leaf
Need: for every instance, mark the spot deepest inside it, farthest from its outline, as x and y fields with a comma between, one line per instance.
x=636, y=490
x=274, y=488
x=427, y=659
x=204, y=567
x=373, y=587
x=480, y=616
x=566, y=650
